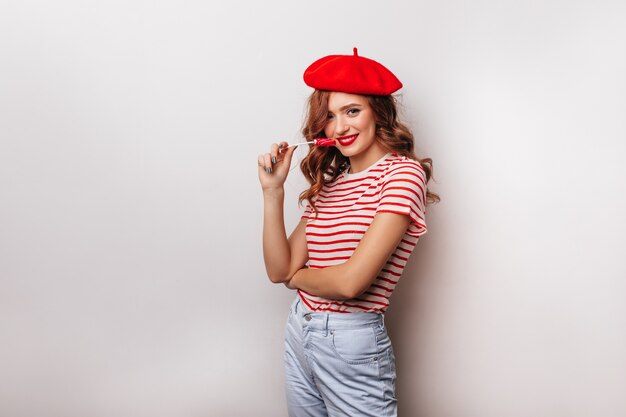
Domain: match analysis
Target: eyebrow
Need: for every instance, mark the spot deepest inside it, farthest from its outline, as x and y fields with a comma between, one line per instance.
x=342, y=108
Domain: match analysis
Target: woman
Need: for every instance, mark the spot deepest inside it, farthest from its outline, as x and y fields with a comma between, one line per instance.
x=364, y=215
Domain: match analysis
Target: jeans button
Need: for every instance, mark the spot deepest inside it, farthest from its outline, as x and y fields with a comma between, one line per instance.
x=307, y=317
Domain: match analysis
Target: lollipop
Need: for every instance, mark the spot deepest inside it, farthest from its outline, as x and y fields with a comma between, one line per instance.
x=316, y=142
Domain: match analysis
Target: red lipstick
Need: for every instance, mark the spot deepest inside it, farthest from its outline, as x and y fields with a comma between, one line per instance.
x=347, y=140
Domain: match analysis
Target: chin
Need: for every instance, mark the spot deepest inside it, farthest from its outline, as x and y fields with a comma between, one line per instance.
x=353, y=150
x=348, y=152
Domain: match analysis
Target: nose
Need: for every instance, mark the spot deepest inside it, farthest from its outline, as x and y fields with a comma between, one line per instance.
x=342, y=127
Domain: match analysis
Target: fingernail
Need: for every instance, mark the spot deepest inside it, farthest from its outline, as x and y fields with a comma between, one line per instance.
x=269, y=170
x=273, y=159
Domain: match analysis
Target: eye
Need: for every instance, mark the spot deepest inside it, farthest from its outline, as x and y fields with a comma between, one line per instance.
x=353, y=111
x=329, y=116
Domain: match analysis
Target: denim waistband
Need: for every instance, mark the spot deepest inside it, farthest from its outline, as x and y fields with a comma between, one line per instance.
x=329, y=320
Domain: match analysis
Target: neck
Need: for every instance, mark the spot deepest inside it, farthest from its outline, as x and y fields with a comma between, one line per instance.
x=366, y=159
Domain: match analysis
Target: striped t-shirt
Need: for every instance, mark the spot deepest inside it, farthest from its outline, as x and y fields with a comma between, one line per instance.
x=346, y=207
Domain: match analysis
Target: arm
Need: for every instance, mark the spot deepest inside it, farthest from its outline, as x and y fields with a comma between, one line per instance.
x=401, y=210
x=282, y=256
x=352, y=278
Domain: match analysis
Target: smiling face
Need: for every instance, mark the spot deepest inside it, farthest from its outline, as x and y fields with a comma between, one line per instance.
x=351, y=122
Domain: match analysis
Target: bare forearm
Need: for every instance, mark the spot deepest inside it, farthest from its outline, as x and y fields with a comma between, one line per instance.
x=332, y=282
x=276, y=252
x=356, y=275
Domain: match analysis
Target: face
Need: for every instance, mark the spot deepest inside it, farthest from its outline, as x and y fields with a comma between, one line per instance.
x=351, y=122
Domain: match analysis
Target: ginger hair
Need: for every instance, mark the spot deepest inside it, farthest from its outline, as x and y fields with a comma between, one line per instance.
x=323, y=165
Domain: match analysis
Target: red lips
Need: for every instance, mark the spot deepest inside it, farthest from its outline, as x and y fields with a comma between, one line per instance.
x=347, y=140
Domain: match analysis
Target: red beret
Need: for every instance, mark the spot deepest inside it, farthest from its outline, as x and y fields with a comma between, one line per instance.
x=351, y=74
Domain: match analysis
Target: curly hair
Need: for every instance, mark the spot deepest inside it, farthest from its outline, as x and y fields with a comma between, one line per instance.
x=323, y=164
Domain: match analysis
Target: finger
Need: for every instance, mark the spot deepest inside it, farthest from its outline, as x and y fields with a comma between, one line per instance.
x=267, y=161
x=288, y=154
x=261, y=161
x=282, y=147
x=274, y=153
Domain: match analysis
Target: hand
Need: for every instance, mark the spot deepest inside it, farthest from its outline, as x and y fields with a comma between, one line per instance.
x=274, y=166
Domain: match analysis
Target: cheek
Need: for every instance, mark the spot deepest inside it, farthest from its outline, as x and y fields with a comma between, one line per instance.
x=365, y=123
x=365, y=127
x=328, y=130
x=371, y=126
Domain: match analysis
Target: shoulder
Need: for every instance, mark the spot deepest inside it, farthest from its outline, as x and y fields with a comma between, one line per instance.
x=402, y=167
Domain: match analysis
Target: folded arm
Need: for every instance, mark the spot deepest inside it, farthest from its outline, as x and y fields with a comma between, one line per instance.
x=356, y=275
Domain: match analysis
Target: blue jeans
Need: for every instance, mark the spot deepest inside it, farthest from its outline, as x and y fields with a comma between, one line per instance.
x=338, y=364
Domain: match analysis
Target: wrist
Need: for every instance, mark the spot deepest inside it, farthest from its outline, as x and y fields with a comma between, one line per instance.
x=274, y=192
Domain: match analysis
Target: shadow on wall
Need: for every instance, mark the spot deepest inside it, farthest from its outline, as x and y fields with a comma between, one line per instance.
x=407, y=320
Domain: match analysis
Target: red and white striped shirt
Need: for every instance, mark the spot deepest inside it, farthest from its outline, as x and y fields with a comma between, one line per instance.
x=346, y=208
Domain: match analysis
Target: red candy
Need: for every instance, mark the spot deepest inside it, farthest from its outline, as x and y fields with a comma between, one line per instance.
x=324, y=142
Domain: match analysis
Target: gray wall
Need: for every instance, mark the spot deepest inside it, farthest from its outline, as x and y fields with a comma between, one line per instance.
x=131, y=272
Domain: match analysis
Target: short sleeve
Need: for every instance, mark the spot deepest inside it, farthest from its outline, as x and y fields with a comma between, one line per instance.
x=404, y=192
x=307, y=212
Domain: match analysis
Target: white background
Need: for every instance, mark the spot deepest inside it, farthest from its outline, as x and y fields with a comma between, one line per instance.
x=131, y=272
